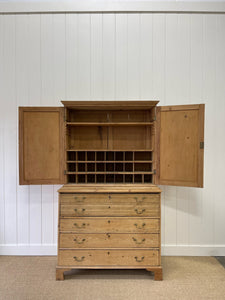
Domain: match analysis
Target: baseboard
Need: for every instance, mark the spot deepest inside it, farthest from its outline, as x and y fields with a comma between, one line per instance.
x=193, y=250
x=167, y=250
x=25, y=249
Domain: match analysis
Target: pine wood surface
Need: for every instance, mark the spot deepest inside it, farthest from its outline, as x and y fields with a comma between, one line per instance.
x=41, y=144
x=112, y=188
x=109, y=240
x=109, y=225
x=98, y=257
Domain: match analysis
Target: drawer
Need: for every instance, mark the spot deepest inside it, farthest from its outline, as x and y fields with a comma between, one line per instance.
x=109, y=240
x=97, y=257
x=109, y=198
x=107, y=225
x=147, y=210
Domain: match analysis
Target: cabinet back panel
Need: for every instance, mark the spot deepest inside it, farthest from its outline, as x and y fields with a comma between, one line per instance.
x=132, y=137
x=91, y=137
x=87, y=116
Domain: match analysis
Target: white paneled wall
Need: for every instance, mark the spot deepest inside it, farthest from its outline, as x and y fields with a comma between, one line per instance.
x=175, y=58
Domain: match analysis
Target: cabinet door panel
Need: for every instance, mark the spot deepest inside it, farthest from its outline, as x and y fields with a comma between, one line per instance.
x=180, y=143
x=41, y=146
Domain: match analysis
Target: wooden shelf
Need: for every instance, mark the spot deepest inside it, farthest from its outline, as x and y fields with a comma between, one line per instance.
x=109, y=150
x=109, y=123
x=108, y=173
x=109, y=161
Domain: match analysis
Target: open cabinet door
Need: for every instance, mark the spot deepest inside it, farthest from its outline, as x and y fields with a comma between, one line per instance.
x=180, y=145
x=41, y=145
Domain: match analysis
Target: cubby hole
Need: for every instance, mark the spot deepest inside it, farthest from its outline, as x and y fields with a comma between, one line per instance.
x=90, y=167
x=118, y=178
x=128, y=178
x=119, y=156
x=91, y=156
x=81, y=178
x=137, y=178
x=148, y=178
x=100, y=156
x=100, y=178
x=100, y=167
x=81, y=167
x=91, y=178
x=143, y=167
x=71, y=178
x=81, y=155
x=110, y=156
x=109, y=178
x=109, y=167
x=71, y=156
x=128, y=156
x=119, y=167
x=71, y=167
x=143, y=155
x=128, y=167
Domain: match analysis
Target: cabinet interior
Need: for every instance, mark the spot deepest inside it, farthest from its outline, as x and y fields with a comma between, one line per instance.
x=109, y=146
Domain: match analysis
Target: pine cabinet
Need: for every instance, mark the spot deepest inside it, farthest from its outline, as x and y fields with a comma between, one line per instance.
x=110, y=157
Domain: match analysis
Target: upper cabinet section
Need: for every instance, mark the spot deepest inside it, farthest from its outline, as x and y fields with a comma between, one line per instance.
x=41, y=146
x=180, y=145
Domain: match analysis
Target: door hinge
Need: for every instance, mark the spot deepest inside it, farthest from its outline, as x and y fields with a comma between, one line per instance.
x=154, y=171
x=64, y=172
x=201, y=145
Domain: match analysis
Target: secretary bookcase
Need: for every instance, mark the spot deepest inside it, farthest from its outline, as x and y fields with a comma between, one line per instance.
x=110, y=156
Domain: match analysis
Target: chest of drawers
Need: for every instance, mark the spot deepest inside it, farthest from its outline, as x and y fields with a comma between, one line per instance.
x=109, y=227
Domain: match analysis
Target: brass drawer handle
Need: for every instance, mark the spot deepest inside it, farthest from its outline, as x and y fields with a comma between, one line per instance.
x=139, y=200
x=80, y=226
x=138, y=243
x=139, y=260
x=79, y=259
x=79, y=200
x=139, y=212
x=81, y=211
x=81, y=242
x=139, y=227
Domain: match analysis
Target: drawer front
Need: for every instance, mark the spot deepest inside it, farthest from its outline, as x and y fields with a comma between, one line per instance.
x=109, y=198
x=108, y=258
x=109, y=240
x=107, y=225
x=132, y=210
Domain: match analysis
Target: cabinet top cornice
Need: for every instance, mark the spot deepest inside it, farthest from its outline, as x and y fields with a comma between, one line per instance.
x=120, y=105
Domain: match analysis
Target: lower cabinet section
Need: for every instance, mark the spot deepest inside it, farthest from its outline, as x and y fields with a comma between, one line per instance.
x=115, y=258
x=108, y=229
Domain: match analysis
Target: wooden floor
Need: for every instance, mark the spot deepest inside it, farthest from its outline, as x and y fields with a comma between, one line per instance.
x=33, y=277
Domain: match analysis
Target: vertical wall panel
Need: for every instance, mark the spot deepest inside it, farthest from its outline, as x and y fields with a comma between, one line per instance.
x=219, y=145
x=34, y=75
x=146, y=57
x=108, y=56
x=196, y=227
x=71, y=56
x=2, y=160
x=171, y=78
x=133, y=56
x=182, y=97
x=158, y=86
x=121, y=57
x=83, y=58
x=96, y=57
x=10, y=133
x=47, y=60
x=22, y=99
